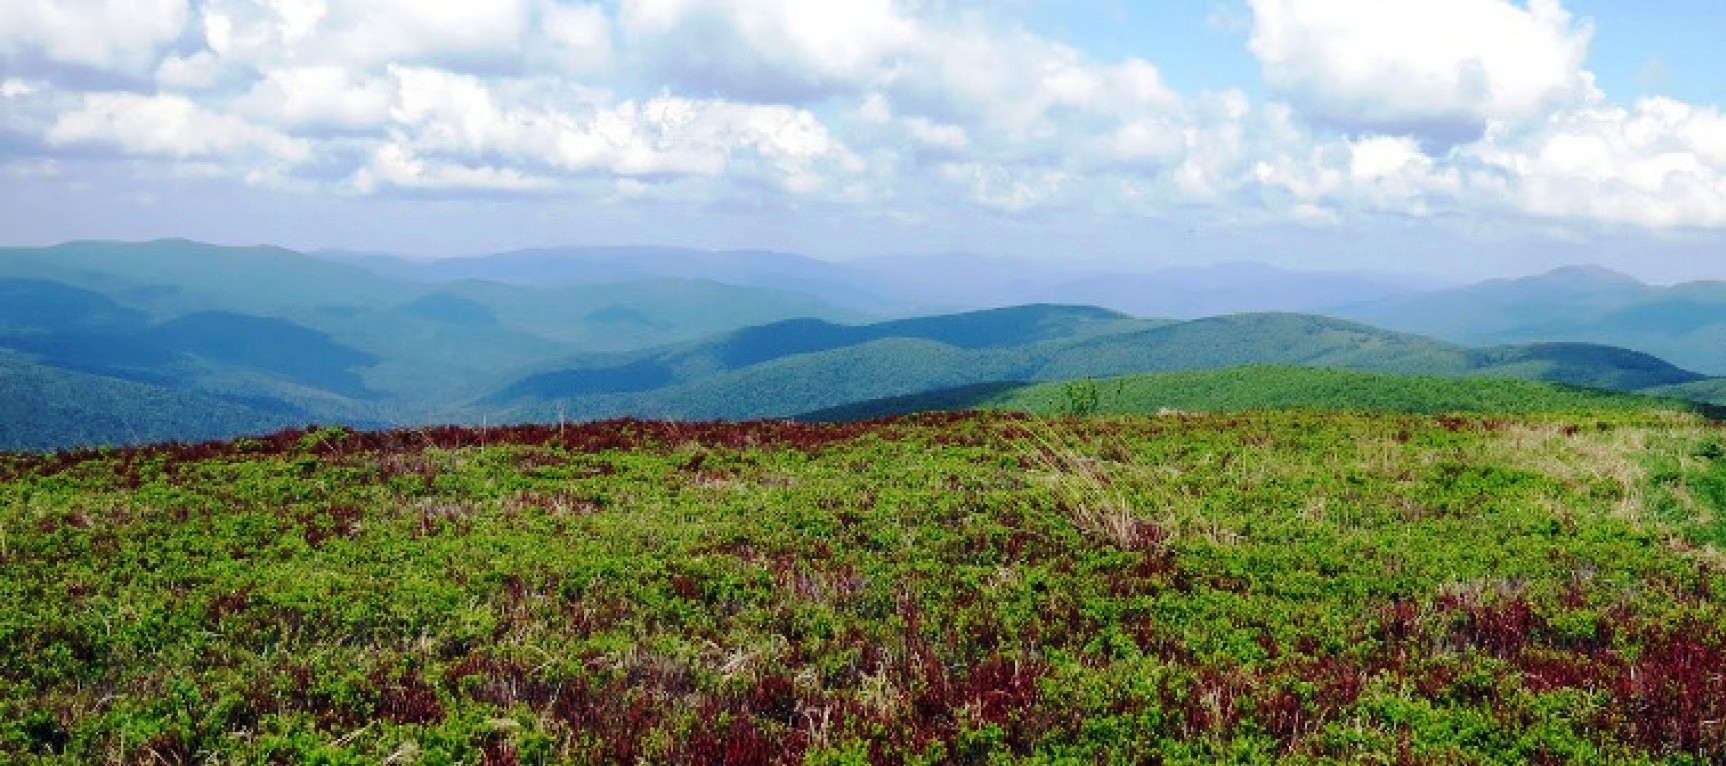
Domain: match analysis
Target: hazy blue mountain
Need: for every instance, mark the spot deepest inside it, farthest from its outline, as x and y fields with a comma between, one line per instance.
x=631, y=315
x=269, y=345
x=263, y=370
x=287, y=332
x=814, y=366
x=171, y=277
x=78, y=329
x=1711, y=391
x=44, y=407
x=40, y=305
x=1685, y=324
x=261, y=336
x=1230, y=288
x=1005, y=328
x=585, y=266
x=904, y=284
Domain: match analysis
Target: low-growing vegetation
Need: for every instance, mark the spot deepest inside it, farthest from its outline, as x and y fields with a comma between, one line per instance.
x=1247, y=587
x=1272, y=387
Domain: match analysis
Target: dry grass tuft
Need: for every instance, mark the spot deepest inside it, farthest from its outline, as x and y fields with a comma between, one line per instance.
x=1087, y=491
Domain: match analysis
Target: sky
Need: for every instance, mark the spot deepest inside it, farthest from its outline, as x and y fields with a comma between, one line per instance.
x=1464, y=138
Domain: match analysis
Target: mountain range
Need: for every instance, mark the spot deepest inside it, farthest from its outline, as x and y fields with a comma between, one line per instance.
x=800, y=366
x=903, y=285
x=125, y=342
x=1684, y=323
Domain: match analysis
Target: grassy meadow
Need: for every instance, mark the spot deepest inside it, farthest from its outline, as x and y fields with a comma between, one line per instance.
x=963, y=588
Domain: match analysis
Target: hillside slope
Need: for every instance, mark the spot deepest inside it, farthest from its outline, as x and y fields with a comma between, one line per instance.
x=45, y=407
x=1685, y=323
x=287, y=332
x=1257, y=588
x=990, y=332
x=890, y=360
x=1240, y=389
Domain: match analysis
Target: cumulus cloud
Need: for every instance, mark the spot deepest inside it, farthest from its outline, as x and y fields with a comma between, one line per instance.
x=319, y=96
x=577, y=37
x=365, y=33
x=398, y=166
x=1659, y=164
x=13, y=87
x=948, y=80
x=582, y=132
x=789, y=51
x=1379, y=107
x=170, y=127
x=197, y=71
x=1436, y=70
x=123, y=36
x=1005, y=188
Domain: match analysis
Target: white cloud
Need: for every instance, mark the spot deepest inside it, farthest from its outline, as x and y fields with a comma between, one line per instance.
x=970, y=74
x=397, y=166
x=365, y=34
x=1022, y=88
x=581, y=132
x=1659, y=164
x=1007, y=189
x=198, y=71
x=875, y=106
x=874, y=110
x=115, y=35
x=320, y=96
x=1435, y=69
x=579, y=37
x=937, y=134
x=170, y=127
x=781, y=50
x=13, y=88
x=32, y=169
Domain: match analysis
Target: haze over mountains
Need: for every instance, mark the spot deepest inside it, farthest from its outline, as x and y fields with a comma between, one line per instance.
x=889, y=285
x=1684, y=323
x=124, y=342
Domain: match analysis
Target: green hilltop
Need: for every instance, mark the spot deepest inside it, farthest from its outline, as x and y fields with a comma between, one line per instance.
x=812, y=366
x=1296, y=587
x=123, y=343
x=1262, y=387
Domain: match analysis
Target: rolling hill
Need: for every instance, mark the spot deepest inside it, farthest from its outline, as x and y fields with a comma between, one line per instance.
x=1237, y=389
x=44, y=407
x=990, y=330
x=281, y=334
x=913, y=284
x=287, y=332
x=987, y=588
x=1685, y=323
x=586, y=266
x=822, y=366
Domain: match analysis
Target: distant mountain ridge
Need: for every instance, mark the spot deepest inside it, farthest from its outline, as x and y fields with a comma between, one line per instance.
x=1684, y=323
x=894, y=359
x=989, y=329
x=921, y=284
x=289, y=338
x=586, y=266
x=229, y=340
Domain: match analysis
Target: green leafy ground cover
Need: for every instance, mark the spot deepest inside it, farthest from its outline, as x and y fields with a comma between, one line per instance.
x=1269, y=387
x=952, y=589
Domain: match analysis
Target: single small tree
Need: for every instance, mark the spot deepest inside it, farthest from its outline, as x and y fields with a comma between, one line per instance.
x=1082, y=397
